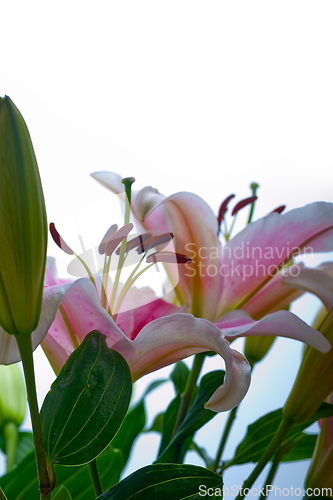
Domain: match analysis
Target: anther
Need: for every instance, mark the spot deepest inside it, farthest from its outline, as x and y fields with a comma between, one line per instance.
x=243, y=203
x=224, y=208
x=279, y=210
x=161, y=239
x=59, y=241
x=169, y=257
x=112, y=229
x=117, y=238
x=135, y=242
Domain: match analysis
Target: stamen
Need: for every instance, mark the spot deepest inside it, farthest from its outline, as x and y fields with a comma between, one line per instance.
x=128, y=181
x=112, y=229
x=224, y=208
x=254, y=186
x=279, y=210
x=117, y=238
x=161, y=239
x=138, y=240
x=169, y=257
x=59, y=241
x=243, y=203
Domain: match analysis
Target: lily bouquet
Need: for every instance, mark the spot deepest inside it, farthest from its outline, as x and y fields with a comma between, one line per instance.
x=102, y=335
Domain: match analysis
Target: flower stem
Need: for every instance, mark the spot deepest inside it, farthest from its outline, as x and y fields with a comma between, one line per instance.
x=280, y=435
x=186, y=397
x=11, y=438
x=273, y=469
x=225, y=435
x=25, y=348
x=95, y=479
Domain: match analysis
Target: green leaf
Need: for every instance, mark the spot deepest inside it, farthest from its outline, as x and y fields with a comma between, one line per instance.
x=133, y=424
x=157, y=425
x=302, y=449
x=22, y=483
x=179, y=376
x=198, y=415
x=86, y=404
x=24, y=445
x=166, y=482
x=260, y=433
x=62, y=494
x=169, y=420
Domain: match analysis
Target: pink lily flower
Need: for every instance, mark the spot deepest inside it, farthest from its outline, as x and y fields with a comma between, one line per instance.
x=71, y=310
x=249, y=272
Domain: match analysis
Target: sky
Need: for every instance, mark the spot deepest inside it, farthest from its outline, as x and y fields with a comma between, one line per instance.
x=193, y=96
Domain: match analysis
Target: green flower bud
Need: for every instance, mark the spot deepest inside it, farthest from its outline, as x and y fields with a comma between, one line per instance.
x=23, y=226
x=314, y=381
x=256, y=348
x=13, y=398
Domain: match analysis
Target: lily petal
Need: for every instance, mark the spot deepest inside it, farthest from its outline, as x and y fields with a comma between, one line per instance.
x=141, y=306
x=281, y=323
x=196, y=235
x=316, y=281
x=52, y=298
x=110, y=180
x=236, y=384
x=172, y=338
x=252, y=257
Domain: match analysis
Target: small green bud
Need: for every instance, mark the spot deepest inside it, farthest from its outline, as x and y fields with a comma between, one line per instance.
x=23, y=226
x=256, y=348
x=13, y=398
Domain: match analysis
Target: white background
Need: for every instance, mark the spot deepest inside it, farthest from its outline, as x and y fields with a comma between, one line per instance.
x=183, y=95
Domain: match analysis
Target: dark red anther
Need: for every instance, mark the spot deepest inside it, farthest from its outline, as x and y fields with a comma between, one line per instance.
x=59, y=241
x=169, y=257
x=135, y=242
x=117, y=238
x=224, y=208
x=112, y=229
x=161, y=239
x=279, y=210
x=243, y=203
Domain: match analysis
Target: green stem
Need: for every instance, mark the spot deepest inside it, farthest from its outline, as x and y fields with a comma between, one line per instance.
x=95, y=479
x=25, y=348
x=280, y=435
x=191, y=384
x=2, y=495
x=225, y=435
x=273, y=469
x=11, y=438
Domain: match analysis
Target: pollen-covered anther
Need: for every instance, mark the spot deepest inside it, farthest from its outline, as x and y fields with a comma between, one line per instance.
x=224, y=208
x=279, y=210
x=59, y=241
x=161, y=239
x=135, y=242
x=168, y=257
x=117, y=238
x=243, y=203
x=112, y=229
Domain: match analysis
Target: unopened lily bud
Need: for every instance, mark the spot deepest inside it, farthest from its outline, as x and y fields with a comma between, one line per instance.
x=256, y=348
x=23, y=226
x=13, y=403
x=314, y=379
x=13, y=399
